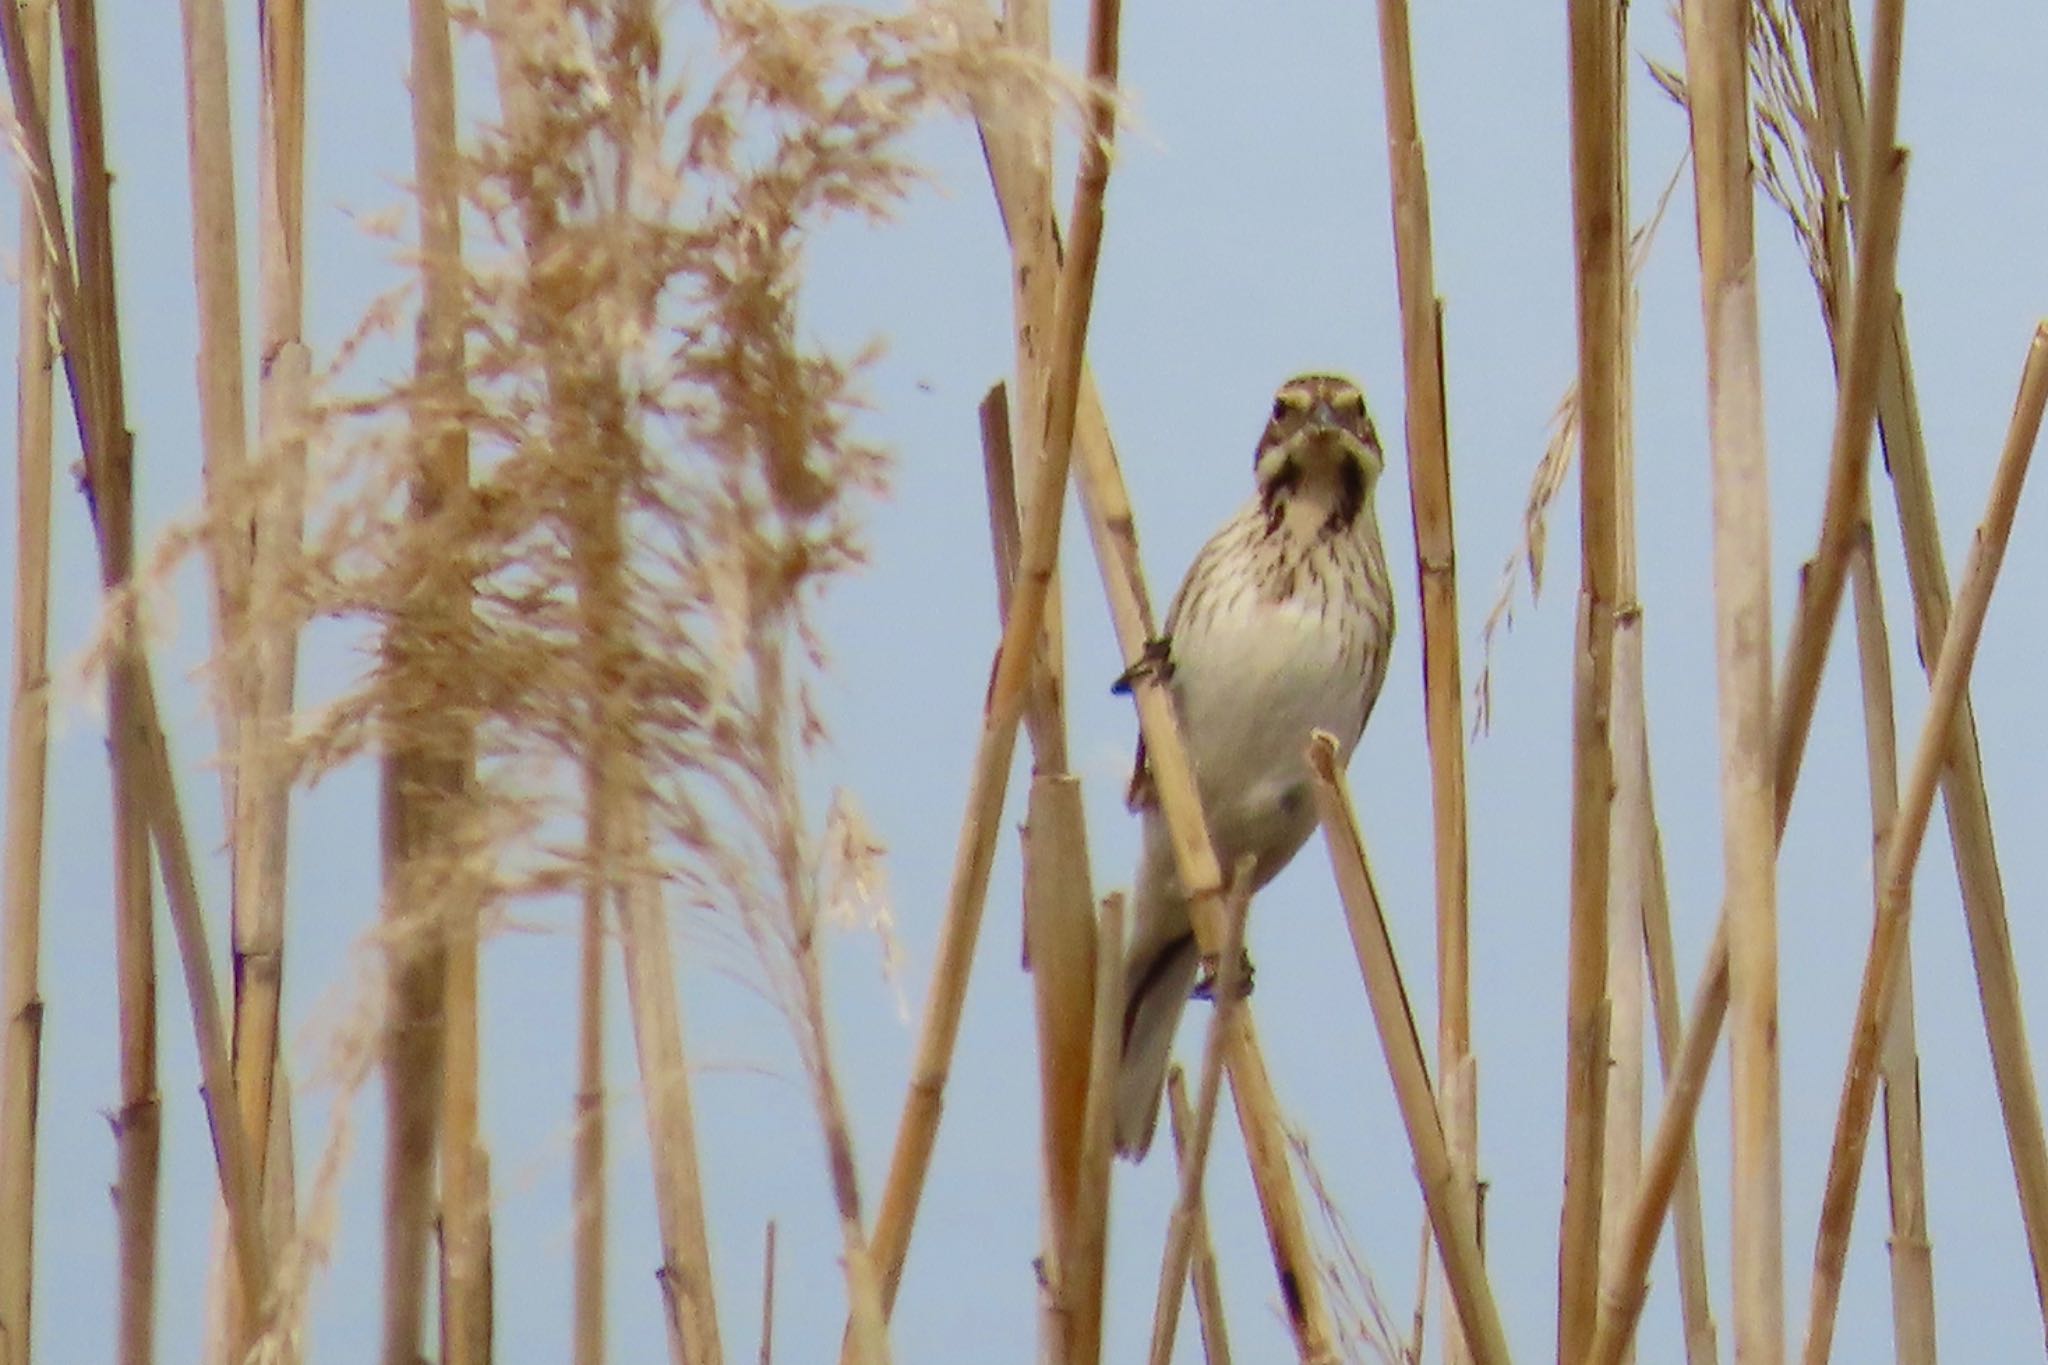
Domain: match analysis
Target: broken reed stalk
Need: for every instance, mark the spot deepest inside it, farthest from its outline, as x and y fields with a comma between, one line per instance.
x=1429, y=493
x=1912, y=1261
x=1812, y=628
x=1826, y=27
x=1452, y=1218
x=28, y=733
x=1061, y=938
x=1598, y=111
x=1191, y=1151
x=1086, y=1253
x=1902, y=850
x=917, y=1129
x=262, y=785
x=1716, y=50
x=1202, y=1277
x=455, y=911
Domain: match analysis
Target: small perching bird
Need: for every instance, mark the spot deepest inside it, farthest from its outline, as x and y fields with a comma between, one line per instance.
x=1281, y=627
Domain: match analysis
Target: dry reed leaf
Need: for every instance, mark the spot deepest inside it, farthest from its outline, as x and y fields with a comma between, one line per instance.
x=1549, y=479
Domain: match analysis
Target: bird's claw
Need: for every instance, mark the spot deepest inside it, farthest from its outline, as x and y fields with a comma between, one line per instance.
x=1154, y=661
x=1208, y=978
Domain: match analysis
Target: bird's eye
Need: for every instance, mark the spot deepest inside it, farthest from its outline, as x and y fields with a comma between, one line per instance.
x=1281, y=409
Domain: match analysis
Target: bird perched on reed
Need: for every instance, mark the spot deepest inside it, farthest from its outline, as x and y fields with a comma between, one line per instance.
x=1281, y=627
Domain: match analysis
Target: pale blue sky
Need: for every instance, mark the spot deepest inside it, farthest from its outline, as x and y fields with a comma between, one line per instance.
x=1247, y=239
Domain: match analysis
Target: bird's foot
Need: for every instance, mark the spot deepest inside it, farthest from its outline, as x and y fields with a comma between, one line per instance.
x=1154, y=661
x=1208, y=979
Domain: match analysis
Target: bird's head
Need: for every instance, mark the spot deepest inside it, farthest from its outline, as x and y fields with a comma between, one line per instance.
x=1319, y=433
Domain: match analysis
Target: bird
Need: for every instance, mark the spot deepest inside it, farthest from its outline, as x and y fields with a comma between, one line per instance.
x=1281, y=627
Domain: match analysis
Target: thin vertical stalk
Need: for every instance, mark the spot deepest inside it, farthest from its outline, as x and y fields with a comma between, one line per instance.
x=1716, y=47
x=588, y=1199
x=1601, y=233
x=1202, y=1278
x=1429, y=494
x=28, y=730
x=427, y=776
x=216, y=268
x=1826, y=26
x=1912, y=1262
x=1087, y=1249
x=138, y=1120
x=1902, y=850
x=1188, y=1223
x=1689, y=1237
x=262, y=791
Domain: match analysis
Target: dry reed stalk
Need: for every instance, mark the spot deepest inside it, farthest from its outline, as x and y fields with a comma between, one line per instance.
x=1912, y=1261
x=685, y=1274
x=262, y=785
x=146, y=802
x=1695, y=1306
x=28, y=730
x=1716, y=47
x=1086, y=1254
x=1632, y=820
x=1826, y=27
x=110, y=461
x=1189, y=1220
x=1429, y=493
x=1622, y=1142
x=216, y=268
x=1112, y=533
x=1811, y=631
x=1059, y=923
x=1452, y=1218
x=1025, y=137
x=917, y=1129
x=587, y=1172
x=768, y=1296
x=427, y=763
x=1055, y=880
x=1601, y=233
x=1902, y=850
x=1202, y=1277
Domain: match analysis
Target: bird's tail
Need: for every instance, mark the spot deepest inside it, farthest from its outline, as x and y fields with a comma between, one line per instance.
x=1156, y=986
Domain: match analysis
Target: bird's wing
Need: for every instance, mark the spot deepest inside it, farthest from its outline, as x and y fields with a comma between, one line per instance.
x=1142, y=793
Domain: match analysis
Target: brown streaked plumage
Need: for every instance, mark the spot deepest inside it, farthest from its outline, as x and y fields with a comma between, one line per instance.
x=1282, y=626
